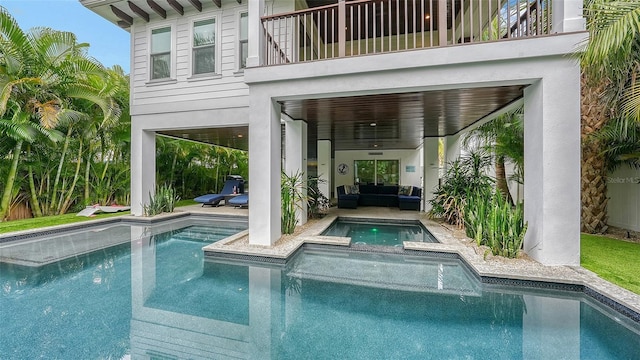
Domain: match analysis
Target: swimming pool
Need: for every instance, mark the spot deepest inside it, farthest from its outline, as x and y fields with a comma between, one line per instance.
x=379, y=232
x=156, y=296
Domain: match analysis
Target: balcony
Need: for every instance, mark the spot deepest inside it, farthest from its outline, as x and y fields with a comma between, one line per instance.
x=363, y=27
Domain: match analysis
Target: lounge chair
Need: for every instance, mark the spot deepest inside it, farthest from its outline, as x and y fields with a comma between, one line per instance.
x=91, y=210
x=240, y=200
x=232, y=182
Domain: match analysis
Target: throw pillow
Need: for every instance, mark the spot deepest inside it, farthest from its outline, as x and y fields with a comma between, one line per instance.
x=405, y=190
x=355, y=190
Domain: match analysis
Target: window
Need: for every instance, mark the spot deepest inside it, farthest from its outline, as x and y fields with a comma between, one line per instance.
x=244, y=40
x=204, y=46
x=161, y=53
x=385, y=172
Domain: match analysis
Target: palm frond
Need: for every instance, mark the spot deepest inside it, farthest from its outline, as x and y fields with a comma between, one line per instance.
x=621, y=141
x=630, y=102
x=67, y=116
x=11, y=31
x=47, y=113
x=17, y=131
x=614, y=25
x=8, y=87
x=51, y=134
x=81, y=91
x=54, y=45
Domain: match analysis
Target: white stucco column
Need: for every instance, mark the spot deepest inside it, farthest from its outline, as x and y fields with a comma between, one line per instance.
x=296, y=159
x=553, y=322
x=324, y=167
x=552, y=166
x=431, y=170
x=265, y=311
x=256, y=35
x=143, y=267
x=451, y=149
x=264, y=169
x=143, y=167
x=567, y=16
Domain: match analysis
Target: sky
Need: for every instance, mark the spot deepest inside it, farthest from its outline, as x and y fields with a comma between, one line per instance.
x=109, y=43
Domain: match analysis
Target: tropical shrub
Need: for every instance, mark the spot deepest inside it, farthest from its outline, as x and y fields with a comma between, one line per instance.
x=492, y=221
x=464, y=175
x=317, y=203
x=164, y=200
x=291, y=193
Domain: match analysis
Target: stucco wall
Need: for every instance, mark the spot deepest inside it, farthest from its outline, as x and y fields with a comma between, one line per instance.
x=623, y=190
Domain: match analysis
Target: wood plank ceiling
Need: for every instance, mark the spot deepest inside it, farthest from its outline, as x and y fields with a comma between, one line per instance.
x=376, y=122
x=397, y=121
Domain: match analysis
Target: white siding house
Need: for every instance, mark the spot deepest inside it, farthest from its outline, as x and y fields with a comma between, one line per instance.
x=348, y=76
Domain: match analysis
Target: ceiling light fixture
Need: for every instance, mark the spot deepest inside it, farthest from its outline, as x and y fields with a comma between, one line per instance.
x=373, y=124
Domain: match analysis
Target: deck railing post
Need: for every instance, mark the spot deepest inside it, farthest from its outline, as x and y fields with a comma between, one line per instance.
x=257, y=31
x=342, y=32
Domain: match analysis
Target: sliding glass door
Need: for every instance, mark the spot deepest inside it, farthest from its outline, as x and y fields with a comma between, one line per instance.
x=379, y=172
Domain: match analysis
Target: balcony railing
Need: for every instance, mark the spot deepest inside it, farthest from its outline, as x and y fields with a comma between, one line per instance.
x=358, y=27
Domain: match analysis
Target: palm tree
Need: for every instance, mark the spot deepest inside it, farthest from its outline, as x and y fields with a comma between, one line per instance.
x=613, y=52
x=503, y=137
x=610, y=92
x=40, y=72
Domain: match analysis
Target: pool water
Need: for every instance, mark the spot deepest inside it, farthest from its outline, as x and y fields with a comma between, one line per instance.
x=379, y=233
x=156, y=296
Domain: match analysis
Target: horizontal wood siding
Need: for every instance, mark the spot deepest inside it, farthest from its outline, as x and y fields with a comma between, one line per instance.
x=228, y=81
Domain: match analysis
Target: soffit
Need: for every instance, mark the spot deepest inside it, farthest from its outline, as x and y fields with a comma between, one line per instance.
x=124, y=12
x=232, y=137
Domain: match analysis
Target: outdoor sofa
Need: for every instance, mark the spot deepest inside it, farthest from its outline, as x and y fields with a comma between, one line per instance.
x=403, y=197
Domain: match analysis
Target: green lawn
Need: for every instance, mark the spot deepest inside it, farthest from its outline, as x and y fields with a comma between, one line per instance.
x=26, y=224
x=186, y=202
x=613, y=260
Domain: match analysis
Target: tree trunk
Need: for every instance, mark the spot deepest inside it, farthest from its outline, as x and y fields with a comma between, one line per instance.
x=594, y=115
x=35, y=204
x=87, y=174
x=11, y=177
x=501, y=180
x=67, y=201
x=52, y=204
x=173, y=167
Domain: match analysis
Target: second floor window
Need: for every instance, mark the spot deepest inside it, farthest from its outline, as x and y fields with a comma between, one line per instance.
x=244, y=40
x=204, y=46
x=161, y=53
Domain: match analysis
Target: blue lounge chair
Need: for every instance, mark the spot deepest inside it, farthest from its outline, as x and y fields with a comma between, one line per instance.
x=240, y=200
x=214, y=199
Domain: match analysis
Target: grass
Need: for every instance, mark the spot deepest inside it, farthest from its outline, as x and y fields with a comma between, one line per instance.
x=613, y=260
x=186, y=202
x=27, y=224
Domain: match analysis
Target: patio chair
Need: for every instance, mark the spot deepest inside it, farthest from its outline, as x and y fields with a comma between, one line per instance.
x=233, y=182
x=240, y=201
